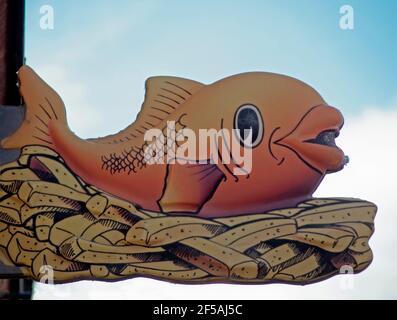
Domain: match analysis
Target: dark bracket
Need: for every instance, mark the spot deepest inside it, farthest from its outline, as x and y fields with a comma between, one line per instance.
x=10, y=118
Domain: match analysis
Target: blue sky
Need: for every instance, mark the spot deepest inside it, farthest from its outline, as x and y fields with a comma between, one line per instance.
x=109, y=50
x=99, y=55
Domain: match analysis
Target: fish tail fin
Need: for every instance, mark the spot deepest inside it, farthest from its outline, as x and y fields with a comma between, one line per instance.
x=43, y=107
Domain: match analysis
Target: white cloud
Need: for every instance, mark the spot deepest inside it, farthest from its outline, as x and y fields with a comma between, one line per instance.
x=369, y=140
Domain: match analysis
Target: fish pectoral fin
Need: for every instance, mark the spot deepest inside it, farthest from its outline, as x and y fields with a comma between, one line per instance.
x=189, y=186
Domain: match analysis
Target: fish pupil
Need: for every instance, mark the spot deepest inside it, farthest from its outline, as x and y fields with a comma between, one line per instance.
x=248, y=120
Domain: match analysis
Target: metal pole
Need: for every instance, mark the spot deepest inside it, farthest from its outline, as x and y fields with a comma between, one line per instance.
x=12, y=16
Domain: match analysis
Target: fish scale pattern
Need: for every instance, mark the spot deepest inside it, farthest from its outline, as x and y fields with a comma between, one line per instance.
x=134, y=158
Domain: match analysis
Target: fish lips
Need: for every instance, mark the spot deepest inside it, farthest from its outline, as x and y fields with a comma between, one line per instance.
x=313, y=139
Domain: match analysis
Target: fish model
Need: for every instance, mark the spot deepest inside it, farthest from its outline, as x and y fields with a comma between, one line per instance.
x=292, y=133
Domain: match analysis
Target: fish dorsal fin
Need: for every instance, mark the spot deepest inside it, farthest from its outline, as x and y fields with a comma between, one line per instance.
x=163, y=95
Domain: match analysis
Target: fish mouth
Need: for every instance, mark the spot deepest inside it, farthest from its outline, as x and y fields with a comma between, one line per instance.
x=326, y=138
x=313, y=139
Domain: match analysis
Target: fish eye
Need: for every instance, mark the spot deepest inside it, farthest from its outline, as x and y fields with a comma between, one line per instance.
x=248, y=120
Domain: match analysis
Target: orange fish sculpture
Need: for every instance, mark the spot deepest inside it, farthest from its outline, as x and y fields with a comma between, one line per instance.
x=239, y=158
x=291, y=137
